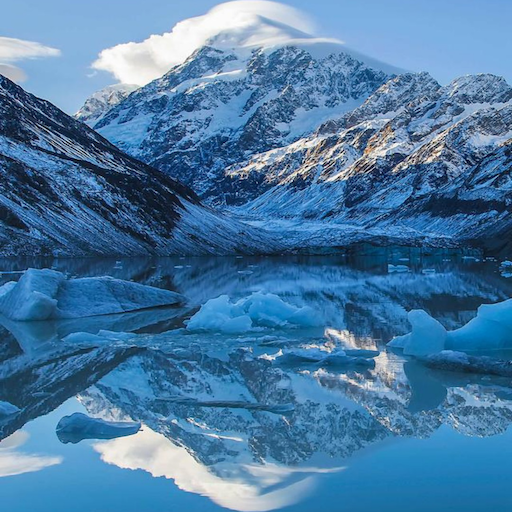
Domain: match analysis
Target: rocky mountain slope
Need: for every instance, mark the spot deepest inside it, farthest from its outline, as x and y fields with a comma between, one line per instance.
x=102, y=101
x=66, y=190
x=223, y=104
x=431, y=165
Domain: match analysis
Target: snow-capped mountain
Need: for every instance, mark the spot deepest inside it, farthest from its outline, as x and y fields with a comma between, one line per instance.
x=226, y=103
x=66, y=190
x=309, y=130
x=102, y=101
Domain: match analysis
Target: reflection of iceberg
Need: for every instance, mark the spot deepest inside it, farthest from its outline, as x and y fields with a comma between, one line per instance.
x=462, y=362
x=244, y=487
x=37, y=337
x=46, y=294
x=78, y=426
x=14, y=462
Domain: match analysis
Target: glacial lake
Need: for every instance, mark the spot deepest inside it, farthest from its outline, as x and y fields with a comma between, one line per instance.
x=394, y=437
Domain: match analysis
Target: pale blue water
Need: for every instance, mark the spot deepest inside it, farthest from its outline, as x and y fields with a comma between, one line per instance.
x=398, y=437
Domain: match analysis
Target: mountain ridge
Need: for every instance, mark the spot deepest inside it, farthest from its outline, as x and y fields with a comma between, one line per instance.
x=67, y=191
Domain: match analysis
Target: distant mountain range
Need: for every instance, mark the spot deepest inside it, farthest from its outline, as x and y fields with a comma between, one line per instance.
x=298, y=145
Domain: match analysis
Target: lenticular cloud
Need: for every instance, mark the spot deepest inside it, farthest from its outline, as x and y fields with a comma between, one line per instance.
x=239, y=23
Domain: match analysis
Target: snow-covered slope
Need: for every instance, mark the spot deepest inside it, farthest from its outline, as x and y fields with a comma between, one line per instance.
x=66, y=190
x=401, y=166
x=229, y=100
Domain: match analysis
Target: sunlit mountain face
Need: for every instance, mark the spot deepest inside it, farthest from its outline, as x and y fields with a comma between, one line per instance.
x=223, y=420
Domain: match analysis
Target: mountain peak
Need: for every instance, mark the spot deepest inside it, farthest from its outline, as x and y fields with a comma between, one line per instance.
x=102, y=101
x=480, y=88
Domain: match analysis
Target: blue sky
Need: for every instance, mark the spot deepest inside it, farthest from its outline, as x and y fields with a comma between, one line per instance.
x=448, y=38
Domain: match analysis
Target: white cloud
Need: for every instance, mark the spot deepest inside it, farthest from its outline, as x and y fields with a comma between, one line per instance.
x=14, y=462
x=15, y=50
x=239, y=23
x=233, y=484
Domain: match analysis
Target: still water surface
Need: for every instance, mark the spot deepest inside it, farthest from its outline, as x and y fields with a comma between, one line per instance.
x=398, y=437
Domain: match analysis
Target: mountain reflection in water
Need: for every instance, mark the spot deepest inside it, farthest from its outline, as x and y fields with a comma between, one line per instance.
x=180, y=384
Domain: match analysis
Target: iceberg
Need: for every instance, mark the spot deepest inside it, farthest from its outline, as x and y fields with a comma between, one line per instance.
x=324, y=358
x=491, y=329
x=78, y=426
x=397, y=268
x=506, y=268
x=48, y=294
x=257, y=310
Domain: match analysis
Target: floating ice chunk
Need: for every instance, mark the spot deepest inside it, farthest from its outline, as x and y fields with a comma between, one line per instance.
x=428, y=336
x=257, y=310
x=47, y=294
x=361, y=353
x=321, y=357
x=87, y=338
x=78, y=426
x=33, y=296
x=490, y=329
x=310, y=354
x=461, y=362
x=7, y=409
x=399, y=341
x=6, y=288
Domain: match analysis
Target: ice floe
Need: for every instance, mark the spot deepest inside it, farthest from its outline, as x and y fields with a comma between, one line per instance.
x=78, y=426
x=257, y=310
x=491, y=329
x=323, y=357
x=506, y=268
x=397, y=268
x=48, y=294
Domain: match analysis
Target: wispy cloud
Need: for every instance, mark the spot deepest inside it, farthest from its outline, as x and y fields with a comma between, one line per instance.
x=239, y=23
x=15, y=50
